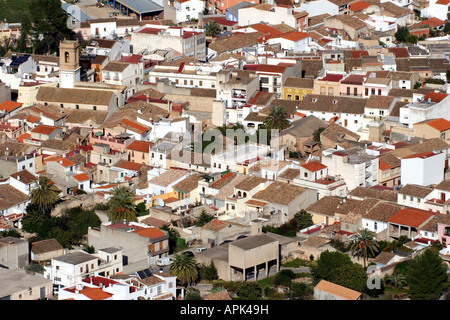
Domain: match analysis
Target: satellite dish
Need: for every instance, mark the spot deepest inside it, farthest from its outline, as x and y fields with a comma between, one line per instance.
x=160, y=202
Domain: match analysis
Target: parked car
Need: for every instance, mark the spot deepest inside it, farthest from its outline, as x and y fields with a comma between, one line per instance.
x=200, y=249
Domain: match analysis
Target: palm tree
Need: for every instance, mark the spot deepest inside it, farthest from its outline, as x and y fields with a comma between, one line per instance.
x=277, y=119
x=45, y=194
x=364, y=245
x=397, y=280
x=121, y=205
x=212, y=28
x=184, y=268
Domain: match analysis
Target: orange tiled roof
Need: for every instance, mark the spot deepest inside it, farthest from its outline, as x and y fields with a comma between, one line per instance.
x=61, y=160
x=357, y=6
x=134, y=125
x=151, y=233
x=410, y=217
x=271, y=68
x=383, y=165
x=337, y=290
x=313, y=166
x=22, y=137
x=141, y=146
x=9, y=106
x=129, y=165
x=435, y=96
x=96, y=294
x=295, y=35
x=81, y=177
x=44, y=129
x=443, y=2
x=440, y=124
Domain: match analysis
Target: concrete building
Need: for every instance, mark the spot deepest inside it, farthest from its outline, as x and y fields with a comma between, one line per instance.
x=354, y=165
x=71, y=268
x=19, y=285
x=423, y=169
x=141, y=245
x=14, y=253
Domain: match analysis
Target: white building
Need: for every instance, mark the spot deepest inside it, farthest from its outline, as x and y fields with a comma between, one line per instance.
x=188, y=9
x=421, y=110
x=319, y=7
x=437, y=8
x=24, y=181
x=228, y=159
x=70, y=269
x=354, y=165
x=124, y=74
x=276, y=14
x=423, y=168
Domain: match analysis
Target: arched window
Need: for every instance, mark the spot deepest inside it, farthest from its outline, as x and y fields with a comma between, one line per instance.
x=66, y=57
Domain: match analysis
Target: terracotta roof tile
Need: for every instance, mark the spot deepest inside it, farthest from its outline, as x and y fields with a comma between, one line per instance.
x=151, y=233
x=81, y=177
x=44, y=129
x=410, y=217
x=313, y=166
x=337, y=290
x=141, y=146
x=9, y=106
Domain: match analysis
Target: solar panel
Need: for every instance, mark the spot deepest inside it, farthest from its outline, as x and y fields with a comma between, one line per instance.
x=143, y=274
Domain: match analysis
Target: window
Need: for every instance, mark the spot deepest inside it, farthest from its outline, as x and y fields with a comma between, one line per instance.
x=66, y=57
x=264, y=80
x=289, y=97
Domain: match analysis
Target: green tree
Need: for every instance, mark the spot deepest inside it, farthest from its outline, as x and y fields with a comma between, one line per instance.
x=49, y=25
x=447, y=27
x=316, y=134
x=44, y=195
x=401, y=34
x=447, y=75
x=284, y=278
x=426, y=276
x=25, y=32
x=193, y=295
x=208, y=272
x=204, y=218
x=248, y=291
x=121, y=205
x=303, y=219
x=141, y=210
x=351, y=276
x=277, y=119
x=212, y=28
x=300, y=291
x=173, y=236
x=10, y=233
x=184, y=268
x=396, y=280
x=365, y=245
x=327, y=264
x=410, y=38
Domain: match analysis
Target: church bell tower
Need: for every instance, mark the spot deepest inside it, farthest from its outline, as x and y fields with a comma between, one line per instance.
x=69, y=63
